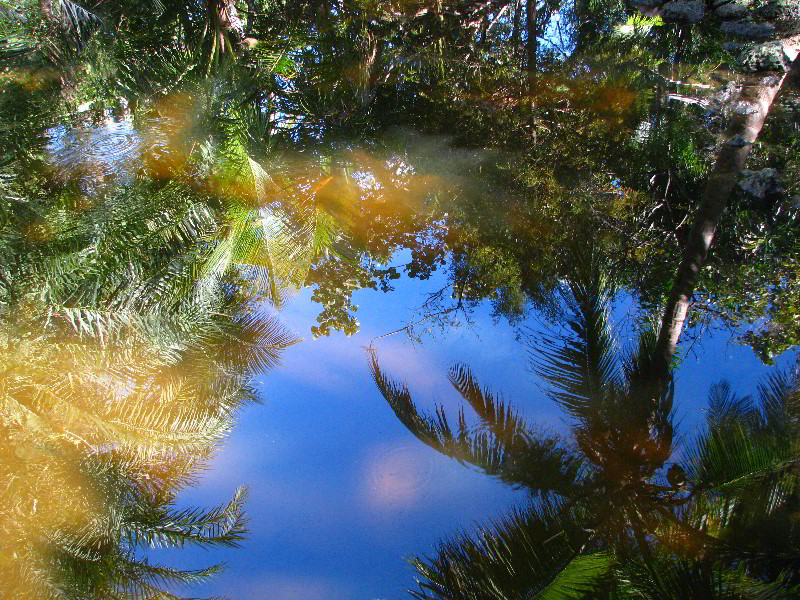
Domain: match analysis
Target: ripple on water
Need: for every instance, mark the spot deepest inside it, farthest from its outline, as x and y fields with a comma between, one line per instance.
x=94, y=153
x=398, y=476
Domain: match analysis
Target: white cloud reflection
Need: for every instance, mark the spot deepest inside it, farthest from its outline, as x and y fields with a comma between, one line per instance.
x=397, y=476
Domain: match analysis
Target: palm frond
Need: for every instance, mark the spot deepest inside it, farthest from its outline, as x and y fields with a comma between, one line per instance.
x=745, y=446
x=224, y=525
x=581, y=369
x=672, y=577
x=779, y=399
x=79, y=22
x=434, y=432
x=530, y=554
x=726, y=409
x=136, y=578
x=503, y=447
x=499, y=419
x=584, y=575
x=253, y=344
x=734, y=458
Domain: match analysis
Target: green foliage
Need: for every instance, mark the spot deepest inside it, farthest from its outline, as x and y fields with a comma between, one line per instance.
x=527, y=555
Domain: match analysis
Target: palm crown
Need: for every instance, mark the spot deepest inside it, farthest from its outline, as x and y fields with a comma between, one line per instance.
x=604, y=518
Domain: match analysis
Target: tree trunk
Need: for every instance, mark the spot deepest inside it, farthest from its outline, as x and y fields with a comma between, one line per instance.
x=322, y=18
x=369, y=69
x=251, y=12
x=226, y=26
x=231, y=20
x=515, y=28
x=757, y=96
x=530, y=22
x=586, y=28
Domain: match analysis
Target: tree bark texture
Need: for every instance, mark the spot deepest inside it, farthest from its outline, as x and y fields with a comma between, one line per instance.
x=752, y=106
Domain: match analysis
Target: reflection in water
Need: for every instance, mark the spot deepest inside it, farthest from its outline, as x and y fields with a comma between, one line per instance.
x=134, y=325
x=333, y=220
x=94, y=153
x=617, y=510
x=255, y=152
x=397, y=477
x=130, y=337
x=99, y=436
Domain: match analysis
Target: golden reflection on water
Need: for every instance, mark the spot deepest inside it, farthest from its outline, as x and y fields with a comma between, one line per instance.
x=100, y=420
x=297, y=207
x=167, y=135
x=31, y=80
x=608, y=102
x=102, y=424
x=44, y=497
x=86, y=425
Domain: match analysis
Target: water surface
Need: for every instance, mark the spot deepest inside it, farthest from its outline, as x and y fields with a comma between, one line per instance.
x=386, y=290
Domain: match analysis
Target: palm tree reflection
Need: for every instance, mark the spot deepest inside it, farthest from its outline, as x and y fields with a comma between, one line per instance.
x=98, y=437
x=610, y=515
x=131, y=329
